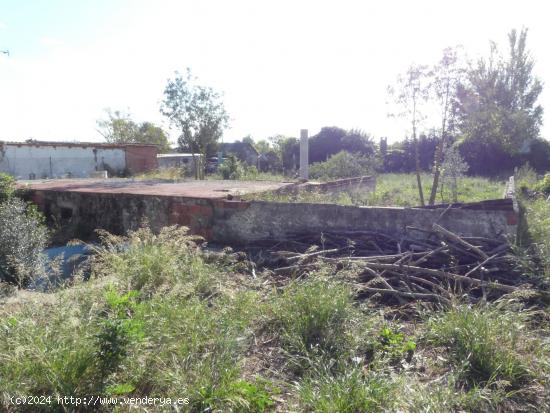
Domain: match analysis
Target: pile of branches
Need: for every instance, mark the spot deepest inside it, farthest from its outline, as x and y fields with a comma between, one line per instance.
x=427, y=265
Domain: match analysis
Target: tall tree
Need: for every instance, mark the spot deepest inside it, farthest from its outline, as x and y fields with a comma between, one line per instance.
x=119, y=127
x=410, y=92
x=445, y=79
x=497, y=104
x=198, y=113
x=150, y=133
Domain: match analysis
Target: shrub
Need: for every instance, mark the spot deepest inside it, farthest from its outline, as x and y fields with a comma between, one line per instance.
x=231, y=168
x=23, y=237
x=342, y=165
x=7, y=186
x=543, y=185
x=156, y=263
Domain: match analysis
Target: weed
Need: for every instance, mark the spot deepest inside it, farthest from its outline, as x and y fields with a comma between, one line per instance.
x=394, y=344
x=485, y=343
x=348, y=391
x=314, y=313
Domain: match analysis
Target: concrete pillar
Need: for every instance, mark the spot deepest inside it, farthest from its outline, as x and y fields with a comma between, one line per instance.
x=304, y=155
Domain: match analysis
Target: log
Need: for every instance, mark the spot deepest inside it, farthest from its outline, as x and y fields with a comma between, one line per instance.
x=442, y=274
x=439, y=229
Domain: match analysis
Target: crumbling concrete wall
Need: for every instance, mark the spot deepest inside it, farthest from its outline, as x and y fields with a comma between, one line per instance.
x=269, y=220
x=78, y=214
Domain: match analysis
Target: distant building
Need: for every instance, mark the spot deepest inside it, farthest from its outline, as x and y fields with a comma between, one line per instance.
x=40, y=159
x=243, y=151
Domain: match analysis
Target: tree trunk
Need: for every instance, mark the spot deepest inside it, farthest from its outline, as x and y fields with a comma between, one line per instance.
x=417, y=156
x=438, y=158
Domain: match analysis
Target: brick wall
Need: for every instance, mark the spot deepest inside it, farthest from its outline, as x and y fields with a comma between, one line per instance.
x=141, y=158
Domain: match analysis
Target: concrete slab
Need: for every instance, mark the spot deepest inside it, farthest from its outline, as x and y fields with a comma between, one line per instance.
x=208, y=189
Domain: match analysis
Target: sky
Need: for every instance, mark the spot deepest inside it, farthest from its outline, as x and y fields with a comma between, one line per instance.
x=282, y=65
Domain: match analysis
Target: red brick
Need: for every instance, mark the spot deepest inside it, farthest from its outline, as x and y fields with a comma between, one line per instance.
x=512, y=218
x=38, y=198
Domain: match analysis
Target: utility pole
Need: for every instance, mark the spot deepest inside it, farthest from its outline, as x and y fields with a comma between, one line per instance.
x=304, y=155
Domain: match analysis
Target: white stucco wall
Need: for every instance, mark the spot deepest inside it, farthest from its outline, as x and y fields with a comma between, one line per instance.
x=46, y=161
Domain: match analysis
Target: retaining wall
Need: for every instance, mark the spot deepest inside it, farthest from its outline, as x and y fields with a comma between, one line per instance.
x=234, y=222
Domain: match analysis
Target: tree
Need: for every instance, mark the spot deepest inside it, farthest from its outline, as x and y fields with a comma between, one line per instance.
x=445, y=79
x=150, y=133
x=263, y=146
x=497, y=103
x=331, y=140
x=412, y=90
x=120, y=128
x=198, y=113
x=453, y=168
x=288, y=151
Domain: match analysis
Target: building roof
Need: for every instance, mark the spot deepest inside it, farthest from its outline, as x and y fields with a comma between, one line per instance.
x=77, y=144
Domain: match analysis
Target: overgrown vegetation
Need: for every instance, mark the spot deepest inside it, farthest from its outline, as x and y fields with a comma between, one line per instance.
x=23, y=237
x=399, y=190
x=533, y=195
x=163, y=317
x=342, y=165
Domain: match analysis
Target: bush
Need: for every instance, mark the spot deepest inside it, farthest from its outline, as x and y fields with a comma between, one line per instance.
x=7, y=186
x=342, y=165
x=23, y=237
x=231, y=168
x=156, y=263
x=543, y=185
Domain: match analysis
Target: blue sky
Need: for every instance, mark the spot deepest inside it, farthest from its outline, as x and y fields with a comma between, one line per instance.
x=282, y=65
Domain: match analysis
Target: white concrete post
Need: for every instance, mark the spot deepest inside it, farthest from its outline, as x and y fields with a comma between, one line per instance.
x=304, y=155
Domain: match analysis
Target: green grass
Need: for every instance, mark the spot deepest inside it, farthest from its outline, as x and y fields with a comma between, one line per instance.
x=397, y=190
x=251, y=174
x=160, y=318
x=348, y=391
x=538, y=218
x=314, y=315
x=485, y=343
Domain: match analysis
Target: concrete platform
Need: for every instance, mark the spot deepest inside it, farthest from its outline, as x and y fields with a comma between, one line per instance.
x=207, y=189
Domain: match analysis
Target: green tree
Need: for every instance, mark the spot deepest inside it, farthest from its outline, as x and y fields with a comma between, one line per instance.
x=119, y=127
x=198, y=113
x=497, y=104
x=150, y=133
x=445, y=79
x=263, y=146
x=288, y=151
x=411, y=91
